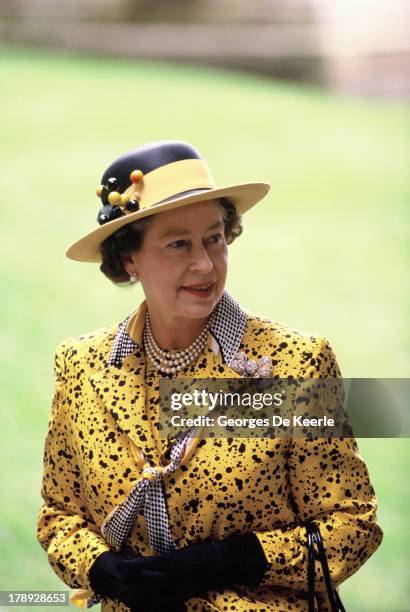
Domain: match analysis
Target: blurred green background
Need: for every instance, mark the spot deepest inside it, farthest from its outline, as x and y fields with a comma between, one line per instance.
x=326, y=252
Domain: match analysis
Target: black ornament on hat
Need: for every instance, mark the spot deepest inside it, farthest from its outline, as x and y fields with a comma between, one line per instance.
x=132, y=206
x=110, y=199
x=114, y=203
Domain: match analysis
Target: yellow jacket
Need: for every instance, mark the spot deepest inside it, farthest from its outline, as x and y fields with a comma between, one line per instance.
x=266, y=485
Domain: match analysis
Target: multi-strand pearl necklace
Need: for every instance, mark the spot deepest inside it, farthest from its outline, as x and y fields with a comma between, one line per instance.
x=170, y=362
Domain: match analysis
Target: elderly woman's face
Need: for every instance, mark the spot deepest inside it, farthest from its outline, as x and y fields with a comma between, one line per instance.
x=182, y=263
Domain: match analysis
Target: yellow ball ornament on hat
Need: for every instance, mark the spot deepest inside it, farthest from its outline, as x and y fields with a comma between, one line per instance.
x=114, y=198
x=136, y=176
x=99, y=189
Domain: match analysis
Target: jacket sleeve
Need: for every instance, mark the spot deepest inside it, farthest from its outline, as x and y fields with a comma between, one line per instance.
x=65, y=528
x=330, y=484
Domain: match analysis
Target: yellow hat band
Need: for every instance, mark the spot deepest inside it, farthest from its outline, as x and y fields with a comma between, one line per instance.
x=169, y=181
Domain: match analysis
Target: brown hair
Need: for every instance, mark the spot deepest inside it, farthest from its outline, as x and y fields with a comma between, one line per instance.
x=129, y=239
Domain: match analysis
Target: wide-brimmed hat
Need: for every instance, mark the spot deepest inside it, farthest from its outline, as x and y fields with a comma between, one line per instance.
x=155, y=177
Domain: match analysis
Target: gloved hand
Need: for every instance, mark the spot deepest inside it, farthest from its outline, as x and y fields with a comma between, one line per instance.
x=110, y=576
x=196, y=569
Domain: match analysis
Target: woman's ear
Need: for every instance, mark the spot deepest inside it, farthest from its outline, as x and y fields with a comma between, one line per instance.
x=129, y=265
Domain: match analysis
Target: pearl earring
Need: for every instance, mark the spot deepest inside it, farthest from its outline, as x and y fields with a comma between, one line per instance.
x=133, y=277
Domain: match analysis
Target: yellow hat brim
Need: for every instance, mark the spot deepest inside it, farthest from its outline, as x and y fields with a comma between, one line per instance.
x=244, y=196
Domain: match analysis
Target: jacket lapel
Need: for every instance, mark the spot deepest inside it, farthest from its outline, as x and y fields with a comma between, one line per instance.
x=120, y=387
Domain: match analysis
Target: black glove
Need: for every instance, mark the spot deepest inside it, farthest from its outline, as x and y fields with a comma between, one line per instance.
x=111, y=576
x=196, y=569
x=106, y=577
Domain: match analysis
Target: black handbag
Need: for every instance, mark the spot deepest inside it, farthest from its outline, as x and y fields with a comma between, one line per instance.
x=316, y=550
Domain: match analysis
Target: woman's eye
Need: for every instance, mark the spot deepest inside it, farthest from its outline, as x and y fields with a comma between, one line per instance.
x=215, y=238
x=177, y=244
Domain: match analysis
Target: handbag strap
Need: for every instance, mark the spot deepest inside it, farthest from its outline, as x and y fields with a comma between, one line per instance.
x=311, y=572
x=314, y=537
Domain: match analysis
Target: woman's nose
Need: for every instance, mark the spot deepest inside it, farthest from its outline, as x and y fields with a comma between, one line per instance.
x=200, y=260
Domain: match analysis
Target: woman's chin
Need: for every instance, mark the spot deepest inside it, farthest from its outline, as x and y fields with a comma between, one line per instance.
x=193, y=307
x=199, y=312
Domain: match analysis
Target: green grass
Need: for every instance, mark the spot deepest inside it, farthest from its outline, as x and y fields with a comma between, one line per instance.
x=325, y=252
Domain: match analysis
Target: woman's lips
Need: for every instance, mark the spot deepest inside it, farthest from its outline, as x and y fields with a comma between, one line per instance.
x=204, y=290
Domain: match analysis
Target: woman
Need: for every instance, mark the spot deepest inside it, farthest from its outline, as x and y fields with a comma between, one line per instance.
x=152, y=523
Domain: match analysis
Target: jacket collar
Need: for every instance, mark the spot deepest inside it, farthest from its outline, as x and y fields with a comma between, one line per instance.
x=120, y=385
x=227, y=327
